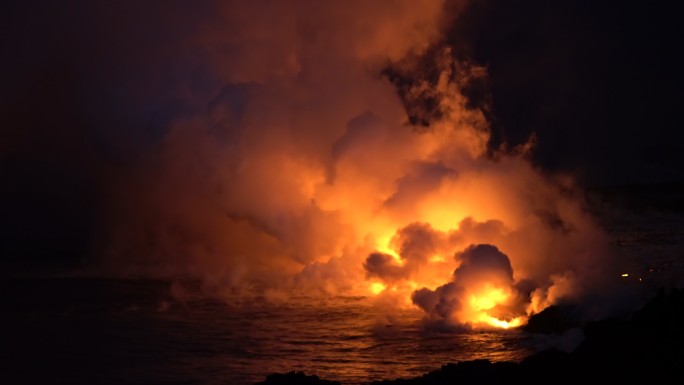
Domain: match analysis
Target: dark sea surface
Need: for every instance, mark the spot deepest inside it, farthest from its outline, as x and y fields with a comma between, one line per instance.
x=105, y=331
x=134, y=331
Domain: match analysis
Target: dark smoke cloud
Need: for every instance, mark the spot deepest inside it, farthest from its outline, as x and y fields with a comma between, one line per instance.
x=440, y=303
x=483, y=263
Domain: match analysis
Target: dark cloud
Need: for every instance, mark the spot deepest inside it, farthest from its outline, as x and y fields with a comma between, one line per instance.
x=440, y=303
x=414, y=244
x=481, y=263
x=385, y=267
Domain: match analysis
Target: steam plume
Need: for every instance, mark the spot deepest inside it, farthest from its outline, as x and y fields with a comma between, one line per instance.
x=321, y=154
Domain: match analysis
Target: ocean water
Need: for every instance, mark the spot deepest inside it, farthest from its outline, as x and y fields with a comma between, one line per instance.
x=107, y=331
x=100, y=331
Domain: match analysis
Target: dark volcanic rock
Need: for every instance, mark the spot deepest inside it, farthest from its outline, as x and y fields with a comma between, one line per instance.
x=295, y=378
x=555, y=319
x=650, y=343
x=466, y=372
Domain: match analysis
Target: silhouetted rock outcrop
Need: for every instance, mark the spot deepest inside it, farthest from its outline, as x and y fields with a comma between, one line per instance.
x=295, y=378
x=477, y=371
x=555, y=319
x=650, y=343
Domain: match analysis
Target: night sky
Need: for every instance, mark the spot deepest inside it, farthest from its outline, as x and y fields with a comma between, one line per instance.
x=88, y=88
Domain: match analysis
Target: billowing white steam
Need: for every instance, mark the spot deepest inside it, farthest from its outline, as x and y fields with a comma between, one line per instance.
x=304, y=172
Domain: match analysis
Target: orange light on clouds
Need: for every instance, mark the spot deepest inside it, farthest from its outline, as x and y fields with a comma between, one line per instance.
x=377, y=287
x=309, y=162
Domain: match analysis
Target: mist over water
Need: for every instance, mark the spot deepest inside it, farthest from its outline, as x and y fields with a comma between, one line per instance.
x=133, y=331
x=84, y=330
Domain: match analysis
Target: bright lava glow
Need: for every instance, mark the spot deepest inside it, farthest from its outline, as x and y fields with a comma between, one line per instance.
x=488, y=300
x=377, y=287
x=479, y=309
x=492, y=321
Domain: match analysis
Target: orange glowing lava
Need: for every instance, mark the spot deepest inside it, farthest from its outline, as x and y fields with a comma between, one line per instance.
x=377, y=287
x=481, y=304
x=495, y=322
x=484, y=298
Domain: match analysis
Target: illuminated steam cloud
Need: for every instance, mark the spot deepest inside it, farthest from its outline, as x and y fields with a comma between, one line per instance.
x=336, y=152
x=415, y=244
x=482, y=290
